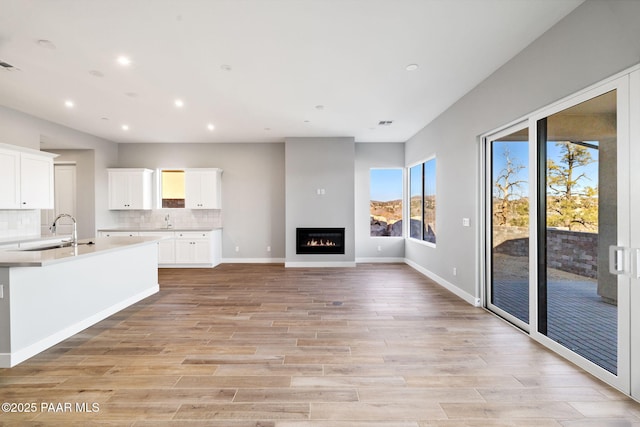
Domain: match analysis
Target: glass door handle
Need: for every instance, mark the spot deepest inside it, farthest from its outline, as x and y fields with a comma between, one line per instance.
x=635, y=263
x=616, y=260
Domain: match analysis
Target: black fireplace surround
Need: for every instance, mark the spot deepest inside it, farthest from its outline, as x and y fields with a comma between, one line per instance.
x=319, y=240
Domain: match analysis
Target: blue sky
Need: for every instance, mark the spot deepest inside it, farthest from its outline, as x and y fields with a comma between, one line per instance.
x=386, y=184
x=519, y=153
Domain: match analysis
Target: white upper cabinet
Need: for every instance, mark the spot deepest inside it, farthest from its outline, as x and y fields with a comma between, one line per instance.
x=203, y=188
x=27, y=178
x=130, y=189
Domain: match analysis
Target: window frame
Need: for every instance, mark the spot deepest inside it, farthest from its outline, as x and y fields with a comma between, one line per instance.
x=422, y=164
x=402, y=198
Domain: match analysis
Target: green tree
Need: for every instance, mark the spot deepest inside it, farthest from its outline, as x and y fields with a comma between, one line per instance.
x=570, y=204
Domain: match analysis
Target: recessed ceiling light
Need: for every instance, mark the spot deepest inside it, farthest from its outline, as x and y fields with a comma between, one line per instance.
x=225, y=67
x=267, y=129
x=210, y=126
x=131, y=94
x=104, y=118
x=47, y=44
x=178, y=103
x=124, y=61
x=69, y=103
x=307, y=121
x=412, y=67
x=125, y=127
x=319, y=107
x=96, y=73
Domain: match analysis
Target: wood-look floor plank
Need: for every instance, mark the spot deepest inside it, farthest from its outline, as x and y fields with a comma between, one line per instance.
x=264, y=346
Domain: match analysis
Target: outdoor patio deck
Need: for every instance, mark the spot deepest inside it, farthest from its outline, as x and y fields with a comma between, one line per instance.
x=577, y=316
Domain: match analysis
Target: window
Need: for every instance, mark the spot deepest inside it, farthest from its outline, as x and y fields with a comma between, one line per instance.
x=385, y=204
x=422, y=201
x=172, y=188
x=429, y=201
x=415, y=202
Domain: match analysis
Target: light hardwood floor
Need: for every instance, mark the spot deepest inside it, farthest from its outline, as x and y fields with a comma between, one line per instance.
x=261, y=345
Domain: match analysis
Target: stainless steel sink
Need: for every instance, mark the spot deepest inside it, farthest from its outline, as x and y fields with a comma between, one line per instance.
x=53, y=246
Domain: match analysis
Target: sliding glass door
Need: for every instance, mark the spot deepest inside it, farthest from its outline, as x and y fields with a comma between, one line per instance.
x=508, y=224
x=577, y=224
x=558, y=223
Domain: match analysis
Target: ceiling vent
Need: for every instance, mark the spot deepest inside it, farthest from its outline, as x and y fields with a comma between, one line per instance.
x=385, y=122
x=7, y=66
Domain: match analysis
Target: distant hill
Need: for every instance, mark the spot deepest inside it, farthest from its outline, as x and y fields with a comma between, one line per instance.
x=389, y=211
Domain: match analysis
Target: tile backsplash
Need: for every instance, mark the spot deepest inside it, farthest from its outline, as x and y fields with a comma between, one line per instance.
x=178, y=218
x=18, y=223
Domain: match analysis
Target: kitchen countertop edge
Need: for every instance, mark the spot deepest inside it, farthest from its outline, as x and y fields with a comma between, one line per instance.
x=17, y=258
x=142, y=229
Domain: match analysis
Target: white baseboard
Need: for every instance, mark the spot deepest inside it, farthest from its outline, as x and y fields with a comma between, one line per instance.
x=444, y=283
x=8, y=360
x=319, y=264
x=388, y=260
x=252, y=260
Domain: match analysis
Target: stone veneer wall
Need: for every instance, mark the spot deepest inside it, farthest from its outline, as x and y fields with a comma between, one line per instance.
x=572, y=251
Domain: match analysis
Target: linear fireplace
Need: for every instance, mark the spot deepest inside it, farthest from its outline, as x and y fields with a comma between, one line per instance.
x=319, y=240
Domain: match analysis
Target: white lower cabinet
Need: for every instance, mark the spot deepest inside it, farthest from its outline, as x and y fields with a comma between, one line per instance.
x=182, y=248
x=166, y=246
x=194, y=248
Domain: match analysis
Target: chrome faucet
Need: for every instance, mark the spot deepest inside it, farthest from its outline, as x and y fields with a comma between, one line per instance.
x=74, y=234
x=167, y=220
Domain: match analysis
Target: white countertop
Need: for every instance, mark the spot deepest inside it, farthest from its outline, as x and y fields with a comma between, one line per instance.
x=18, y=258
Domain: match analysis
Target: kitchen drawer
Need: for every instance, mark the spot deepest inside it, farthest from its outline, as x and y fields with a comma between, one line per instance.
x=119, y=233
x=193, y=234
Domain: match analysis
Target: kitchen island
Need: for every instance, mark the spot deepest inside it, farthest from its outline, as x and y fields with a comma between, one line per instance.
x=48, y=295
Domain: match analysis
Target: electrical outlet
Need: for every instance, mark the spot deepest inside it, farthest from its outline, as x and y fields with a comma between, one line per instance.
x=466, y=222
x=379, y=248
x=237, y=248
x=268, y=248
x=1, y=291
x=455, y=271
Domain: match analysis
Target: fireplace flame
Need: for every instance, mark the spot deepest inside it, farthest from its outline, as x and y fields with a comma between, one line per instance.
x=321, y=242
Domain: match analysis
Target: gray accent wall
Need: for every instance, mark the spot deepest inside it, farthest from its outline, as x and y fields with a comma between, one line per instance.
x=597, y=40
x=312, y=164
x=369, y=156
x=253, y=201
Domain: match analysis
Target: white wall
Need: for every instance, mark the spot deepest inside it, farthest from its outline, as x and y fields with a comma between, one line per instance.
x=85, y=188
x=600, y=38
x=320, y=163
x=253, y=207
x=370, y=156
x=24, y=130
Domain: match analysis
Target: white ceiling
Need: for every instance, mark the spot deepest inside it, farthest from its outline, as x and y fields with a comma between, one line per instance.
x=286, y=58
